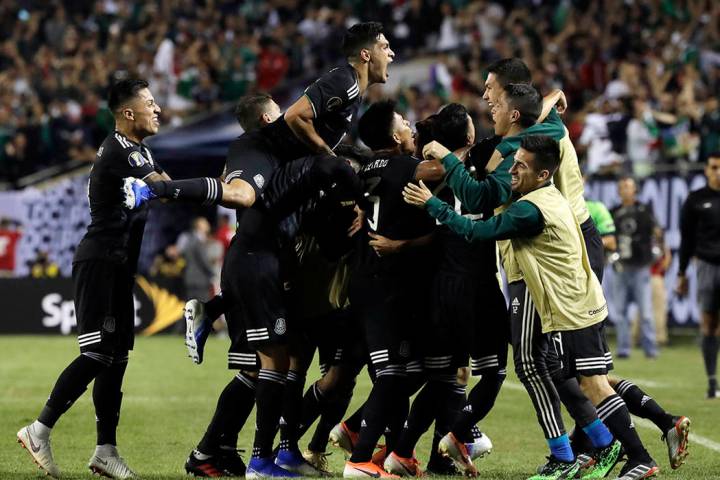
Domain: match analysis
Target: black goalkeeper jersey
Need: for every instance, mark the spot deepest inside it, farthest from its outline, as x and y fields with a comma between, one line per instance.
x=457, y=255
x=335, y=99
x=387, y=214
x=115, y=233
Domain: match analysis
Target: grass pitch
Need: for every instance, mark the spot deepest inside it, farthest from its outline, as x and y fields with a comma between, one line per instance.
x=169, y=401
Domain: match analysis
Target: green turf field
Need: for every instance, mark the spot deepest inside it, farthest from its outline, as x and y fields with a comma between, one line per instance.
x=168, y=402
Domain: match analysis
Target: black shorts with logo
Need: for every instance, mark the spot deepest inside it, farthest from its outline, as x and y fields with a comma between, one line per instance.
x=383, y=307
x=104, y=306
x=579, y=352
x=469, y=319
x=256, y=281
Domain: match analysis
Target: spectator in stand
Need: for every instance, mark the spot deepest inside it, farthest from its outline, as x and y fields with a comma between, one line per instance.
x=636, y=233
x=167, y=270
x=10, y=234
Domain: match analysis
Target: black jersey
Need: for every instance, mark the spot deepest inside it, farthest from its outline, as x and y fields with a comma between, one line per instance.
x=335, y=99
x=634, y=228
x=700, y=227
x=457, y=256
x=115, y=233
x=387, y=214
x=249, y=159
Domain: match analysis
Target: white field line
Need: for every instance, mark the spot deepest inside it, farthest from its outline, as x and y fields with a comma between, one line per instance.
x=694, y=438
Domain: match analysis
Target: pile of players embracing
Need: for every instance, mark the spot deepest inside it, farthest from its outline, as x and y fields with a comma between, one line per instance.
x=336, y=245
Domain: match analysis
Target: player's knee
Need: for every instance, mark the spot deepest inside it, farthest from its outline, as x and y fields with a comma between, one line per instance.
x=596, y=388
x=463, y=375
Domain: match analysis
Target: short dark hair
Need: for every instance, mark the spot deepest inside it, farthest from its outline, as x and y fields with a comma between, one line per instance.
x=375, y=127
x=451, y=127
x=425, y=131
x=715, y=155
x=526, y=100
x=546, y=152
x=359, y=36
x=123, y=91
x=510, y=70
x=249, y=110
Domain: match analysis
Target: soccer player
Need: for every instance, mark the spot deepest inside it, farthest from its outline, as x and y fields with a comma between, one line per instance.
x=384, y=289
x=568, y=180
x=465, y=297
x=700, y=230
x=104, y=275
x=549, y=252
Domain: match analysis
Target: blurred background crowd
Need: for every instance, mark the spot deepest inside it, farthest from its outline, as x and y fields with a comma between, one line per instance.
x=642, y=76
x=642, y=79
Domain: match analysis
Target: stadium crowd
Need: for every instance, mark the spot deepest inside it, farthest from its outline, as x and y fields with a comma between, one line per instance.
x=642, y=79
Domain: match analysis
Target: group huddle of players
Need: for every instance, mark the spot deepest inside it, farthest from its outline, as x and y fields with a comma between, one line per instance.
x=385, y=257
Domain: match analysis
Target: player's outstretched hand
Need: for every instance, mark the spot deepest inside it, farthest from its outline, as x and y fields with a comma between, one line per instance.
x=417, y=195
x=435, y=151
x=135, y=193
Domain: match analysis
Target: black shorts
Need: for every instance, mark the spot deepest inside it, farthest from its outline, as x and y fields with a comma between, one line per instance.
x=594, y=247
x=581, y=352
x=335, y=335
x=104, y=306
x=469, y=319
x=383, y=306
x=257, y=281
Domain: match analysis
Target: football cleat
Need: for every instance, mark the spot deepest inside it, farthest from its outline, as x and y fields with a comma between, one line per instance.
x=294, y=462
x=197, y=329
x=601, y=463
x=456, y=450
x=378, y=457
x=136, y=193
x=480, y=446
x=39, y=449
x=555, y=469
x=364, y=470
x=226, y=464
x=677, y=441
x=403, y=467
x=638, y=470
x=111, y=466
x=344, y=438
x=266, y=468
x=318, y=460
x=442, y=466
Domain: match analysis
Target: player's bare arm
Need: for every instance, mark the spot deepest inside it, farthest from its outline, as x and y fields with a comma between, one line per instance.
x=299, y=118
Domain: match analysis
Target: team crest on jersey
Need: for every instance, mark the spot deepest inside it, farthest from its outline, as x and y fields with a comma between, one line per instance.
x=333, y=103
x=109, y=324
x=136, y=159
x=259, y=180
x=280, y=326
x=404, y=349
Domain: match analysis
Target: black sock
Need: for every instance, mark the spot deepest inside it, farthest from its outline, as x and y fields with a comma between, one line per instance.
x=422, y=415
x=436, y=456
x=332, y=414
x=233, y=407
x=291, y=411
x=107, y=398
x=710, y=353
x=313, y=403
x=453, y=402
x=480, y=401
x=71, y=383
x=382, y=401
x=395, y=426
x=354, y=421
x=615, y=415
x=216, y=306
x=575, y=401
x=641, y=404
x=205, y=190
x=269, y=403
